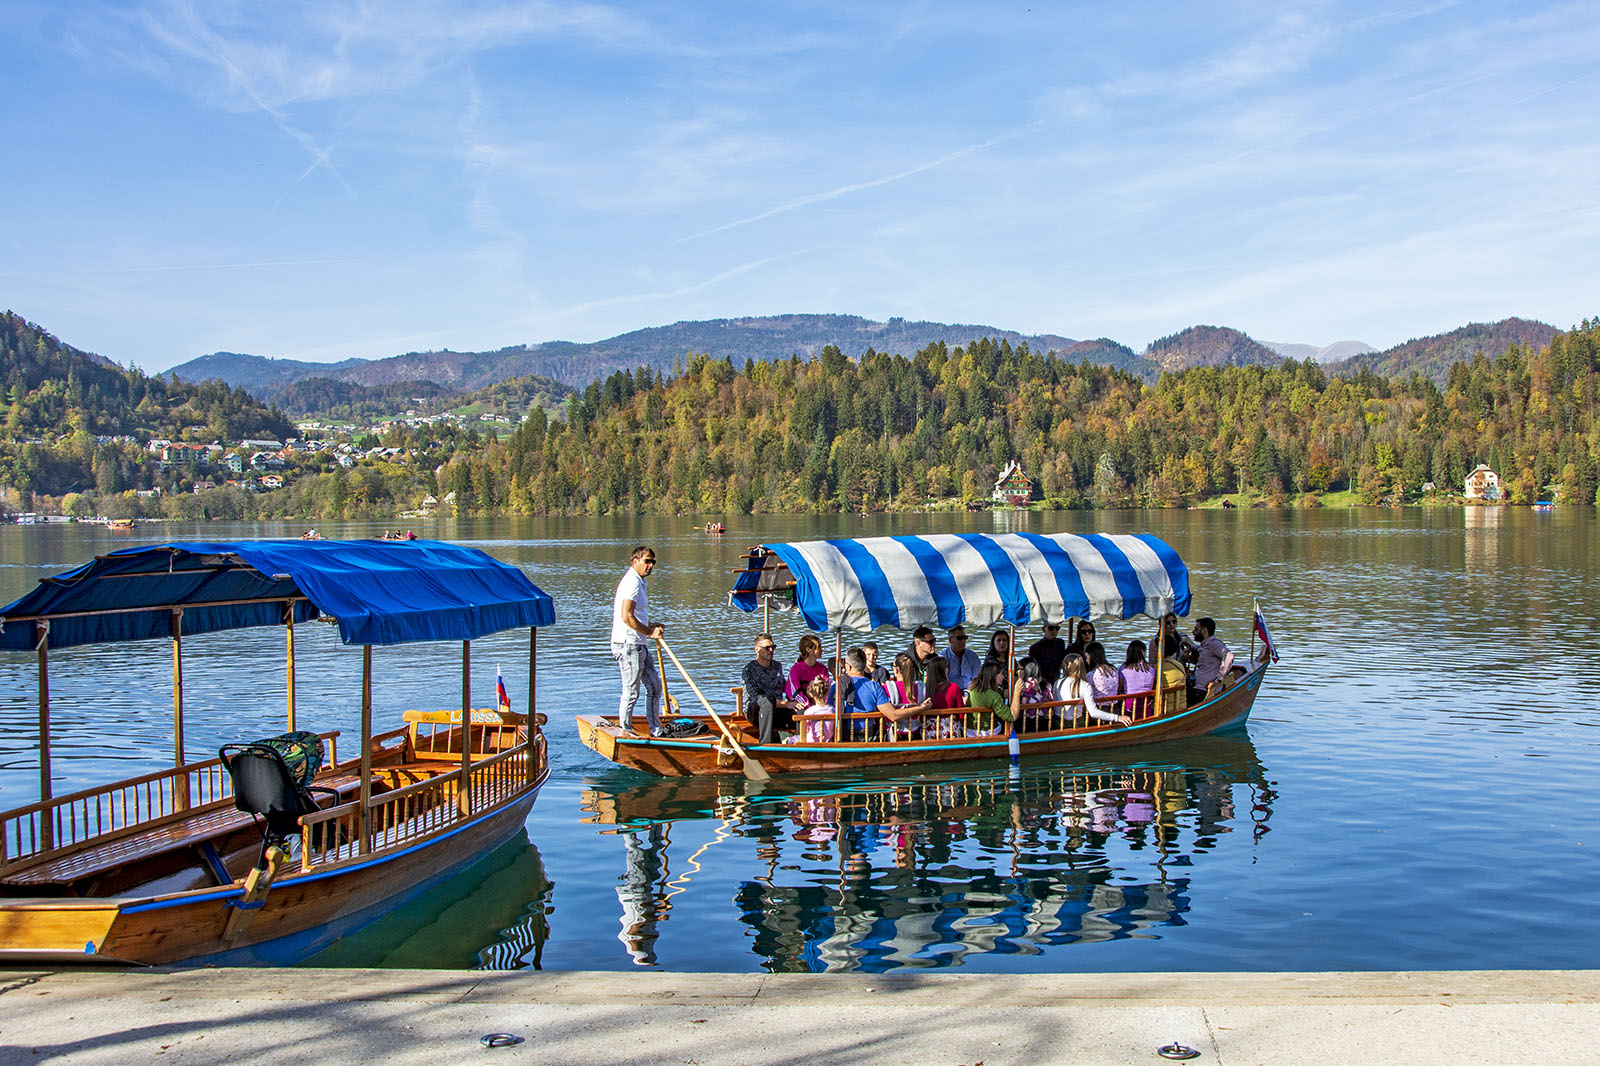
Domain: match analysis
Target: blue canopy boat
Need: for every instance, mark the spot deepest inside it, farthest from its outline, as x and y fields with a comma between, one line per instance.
x=973, y=580
x=158, y=868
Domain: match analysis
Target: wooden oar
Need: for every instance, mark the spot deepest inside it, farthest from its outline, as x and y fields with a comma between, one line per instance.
x=669, y=702
x=752, y=768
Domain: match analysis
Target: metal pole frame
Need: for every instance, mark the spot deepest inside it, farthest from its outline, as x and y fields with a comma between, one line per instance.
x=47, y=831
x=364, y=820
x=289, y=625
x=180, y=784
x=463, y=792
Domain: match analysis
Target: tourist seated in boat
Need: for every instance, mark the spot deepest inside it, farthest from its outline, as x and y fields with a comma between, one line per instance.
x=1170, y=640
x=1082, y=637
x=1137, y=675
x=1103, y=677
x=924, y=646
x=999, y=650
x=807, y=666
x=906, y=691
x=765, y=704
x=961, y=663
x=1049, y=651
x=1211, y=659
x=943, y=695
x=875, y=670
x=864, y=696
x=1030, y=690
x=813, y=714
x=1075, y=688
x=991, y=706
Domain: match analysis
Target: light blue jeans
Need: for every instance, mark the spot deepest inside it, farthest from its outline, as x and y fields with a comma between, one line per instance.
x=638, y=667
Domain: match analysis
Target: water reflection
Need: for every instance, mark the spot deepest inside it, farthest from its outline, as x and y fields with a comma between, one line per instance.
x=495, y=917
x=921, y=872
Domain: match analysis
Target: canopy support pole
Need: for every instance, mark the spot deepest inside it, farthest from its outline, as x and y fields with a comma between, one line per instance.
x=1011, y=660
x=1161, y=640
x=289, y=625
x=180, y=784
x=364, y=825
x=766, y=614
x=47, y=830
x=838, y=685
x=533, y=702
x=463, y=797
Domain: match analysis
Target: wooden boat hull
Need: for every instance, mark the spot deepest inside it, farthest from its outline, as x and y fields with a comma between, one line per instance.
x=302, y=913
x=698, y=756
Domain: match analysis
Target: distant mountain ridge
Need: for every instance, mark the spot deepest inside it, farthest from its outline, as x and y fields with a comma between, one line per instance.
x=575, y=364
x=1209, y=346
x=1328, y=353
x=1433, y=356
x=658, y=347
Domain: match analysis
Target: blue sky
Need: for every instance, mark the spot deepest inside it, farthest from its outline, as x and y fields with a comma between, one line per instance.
x=332, y=179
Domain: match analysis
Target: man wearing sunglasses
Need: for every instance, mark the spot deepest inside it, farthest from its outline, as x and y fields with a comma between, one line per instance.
x=631, y=633
x=763, y=692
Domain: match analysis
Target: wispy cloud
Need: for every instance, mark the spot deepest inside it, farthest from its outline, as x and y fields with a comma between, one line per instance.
x=810, y=199
x=673, y=294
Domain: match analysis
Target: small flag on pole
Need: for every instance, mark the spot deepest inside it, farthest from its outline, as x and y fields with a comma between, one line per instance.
x=505, y=700
x=1266, y=635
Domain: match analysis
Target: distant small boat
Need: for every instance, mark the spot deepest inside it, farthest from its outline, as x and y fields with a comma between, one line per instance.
x=1544, y=506
x=120, y=525
x=716, y=527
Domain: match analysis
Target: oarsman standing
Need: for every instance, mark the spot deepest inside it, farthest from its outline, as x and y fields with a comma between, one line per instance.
x=631, y=632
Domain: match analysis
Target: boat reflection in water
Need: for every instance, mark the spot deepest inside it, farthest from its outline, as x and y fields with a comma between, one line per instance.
x=922, y=871
x=495, y=919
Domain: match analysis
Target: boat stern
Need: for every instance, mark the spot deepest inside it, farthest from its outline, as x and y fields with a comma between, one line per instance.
x=598, y=736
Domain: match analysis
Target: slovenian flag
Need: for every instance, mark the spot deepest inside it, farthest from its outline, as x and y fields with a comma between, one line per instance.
x=1265, y=635
x=505, y=700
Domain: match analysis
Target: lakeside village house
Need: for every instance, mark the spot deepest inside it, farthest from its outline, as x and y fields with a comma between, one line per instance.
x=1482, y=484
x=1014, y=488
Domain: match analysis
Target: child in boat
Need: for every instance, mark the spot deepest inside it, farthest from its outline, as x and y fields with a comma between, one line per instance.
x=814, y=715
x=991, y=708
x=1075, y=687
x=905, y=690
x=1031, y=691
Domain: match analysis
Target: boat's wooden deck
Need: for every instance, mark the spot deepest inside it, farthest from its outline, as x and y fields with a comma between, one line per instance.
x=103, y=857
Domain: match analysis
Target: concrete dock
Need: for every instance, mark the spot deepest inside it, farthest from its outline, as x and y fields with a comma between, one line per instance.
x=428, y=1018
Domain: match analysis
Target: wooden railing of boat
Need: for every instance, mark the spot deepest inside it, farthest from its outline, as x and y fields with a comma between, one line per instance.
x=65, y=824
x=422, y=810
x=1056, y=717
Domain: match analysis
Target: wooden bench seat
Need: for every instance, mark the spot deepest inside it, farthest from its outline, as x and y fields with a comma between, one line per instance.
x=95, y=859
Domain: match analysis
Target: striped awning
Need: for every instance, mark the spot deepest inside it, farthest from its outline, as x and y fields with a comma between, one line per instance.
x=969, y=578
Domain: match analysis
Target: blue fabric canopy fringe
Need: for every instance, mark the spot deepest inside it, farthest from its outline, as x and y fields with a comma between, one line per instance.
x=381, y=592
x=969, y=579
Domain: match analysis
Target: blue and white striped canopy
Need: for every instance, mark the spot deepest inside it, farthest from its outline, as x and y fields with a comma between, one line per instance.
x=969, y=578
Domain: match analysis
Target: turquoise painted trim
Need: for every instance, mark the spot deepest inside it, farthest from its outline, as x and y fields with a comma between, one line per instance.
x=305, y=879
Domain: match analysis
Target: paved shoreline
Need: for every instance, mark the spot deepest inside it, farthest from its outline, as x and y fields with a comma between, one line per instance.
x=296, y=1016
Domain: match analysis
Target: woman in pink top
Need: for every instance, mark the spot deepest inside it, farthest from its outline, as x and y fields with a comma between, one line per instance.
x=806, y=667
x=1137, y=676
x=1102, y=675
x=944, y=695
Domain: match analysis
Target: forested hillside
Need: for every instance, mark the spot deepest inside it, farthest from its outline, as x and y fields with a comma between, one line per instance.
x=1432, y=357
x=835, y=434
x=1209, y=346
x=60, y=399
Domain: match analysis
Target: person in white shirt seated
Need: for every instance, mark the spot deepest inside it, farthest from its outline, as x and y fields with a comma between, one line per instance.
x=961, y=663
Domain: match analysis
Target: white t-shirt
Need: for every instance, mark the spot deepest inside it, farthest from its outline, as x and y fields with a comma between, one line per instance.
x=631, y=587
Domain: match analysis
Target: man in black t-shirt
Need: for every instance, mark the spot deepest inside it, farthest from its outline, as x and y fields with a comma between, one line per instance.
x=1049, y=652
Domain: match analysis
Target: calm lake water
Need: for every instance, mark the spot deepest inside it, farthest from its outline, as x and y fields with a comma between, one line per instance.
x=1415, y=790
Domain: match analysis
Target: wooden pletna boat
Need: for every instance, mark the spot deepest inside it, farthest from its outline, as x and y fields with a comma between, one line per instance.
x=975, y=580
x=248, y=858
